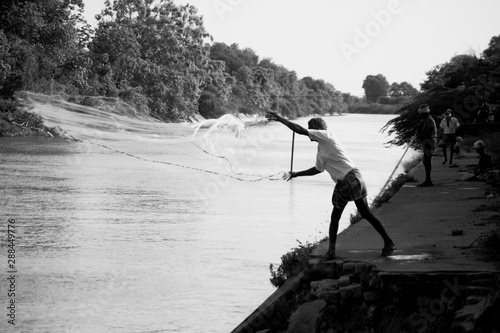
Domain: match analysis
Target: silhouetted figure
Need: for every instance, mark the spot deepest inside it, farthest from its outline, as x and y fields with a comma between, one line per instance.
x=484, y=159
x=427, y=135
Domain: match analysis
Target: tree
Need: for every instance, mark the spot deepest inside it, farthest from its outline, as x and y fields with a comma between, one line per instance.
x=40, y=42
x=288, y=82
x=222, y=52
x=160, y=48
x=408, y=90
x=463, y=84
x=320, y=97
x=4, y=63
x=375, y=86
x=256, y=87
x=349, y=99
x=403, y=89
x=452, y=74
x=492, y=52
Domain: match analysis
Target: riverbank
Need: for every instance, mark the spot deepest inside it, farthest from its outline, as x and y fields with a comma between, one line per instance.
x=436, y=230
x=17, y=121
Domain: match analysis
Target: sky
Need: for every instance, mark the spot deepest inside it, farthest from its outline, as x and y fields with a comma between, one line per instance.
x=343, y=41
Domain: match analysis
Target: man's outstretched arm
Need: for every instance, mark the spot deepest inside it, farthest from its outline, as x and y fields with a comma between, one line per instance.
x=291, y=125
x=309, y=172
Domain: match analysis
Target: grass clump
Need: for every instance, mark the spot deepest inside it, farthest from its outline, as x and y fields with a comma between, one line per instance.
x=292, y=263
x=408, y=165
x=392, y=188
x=488, y=246
x=15, y=121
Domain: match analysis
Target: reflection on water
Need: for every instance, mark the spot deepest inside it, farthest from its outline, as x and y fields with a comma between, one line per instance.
x=111, y=243
x=410, y=257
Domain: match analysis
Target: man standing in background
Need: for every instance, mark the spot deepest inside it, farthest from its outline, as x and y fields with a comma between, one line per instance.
x=449, y=125
x=427, y=135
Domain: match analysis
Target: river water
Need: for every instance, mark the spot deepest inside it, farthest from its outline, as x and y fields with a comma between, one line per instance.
x=152, y=242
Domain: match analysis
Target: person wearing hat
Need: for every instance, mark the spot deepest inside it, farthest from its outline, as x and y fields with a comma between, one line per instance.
x=349, y=184
x=427, y=135
x=449, y=126
x=484, y=159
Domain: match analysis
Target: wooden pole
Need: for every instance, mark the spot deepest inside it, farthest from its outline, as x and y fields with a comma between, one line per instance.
x=293, y=144
x=395, y=168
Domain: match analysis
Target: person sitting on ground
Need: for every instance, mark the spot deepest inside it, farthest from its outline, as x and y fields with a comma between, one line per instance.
x=484, y=159
x=449, y=126
x=350, y=186
x=491, y=117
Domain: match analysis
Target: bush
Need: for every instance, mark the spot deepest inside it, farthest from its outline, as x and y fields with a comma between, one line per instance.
x=488, y=246
x=411, y=163
x=292, y=263
x=393, y=187
x=8, y=105
x=15, y=121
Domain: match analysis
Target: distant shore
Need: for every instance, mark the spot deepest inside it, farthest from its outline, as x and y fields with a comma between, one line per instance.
x=374, y=108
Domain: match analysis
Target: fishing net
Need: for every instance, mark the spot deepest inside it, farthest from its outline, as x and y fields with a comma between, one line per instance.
x=110, y=120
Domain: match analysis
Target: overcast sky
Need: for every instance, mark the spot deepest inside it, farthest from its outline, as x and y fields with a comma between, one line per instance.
x=343, y=41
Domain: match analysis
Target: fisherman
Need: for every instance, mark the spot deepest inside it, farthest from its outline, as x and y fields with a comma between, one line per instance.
x=350, y=186
x=427, y=134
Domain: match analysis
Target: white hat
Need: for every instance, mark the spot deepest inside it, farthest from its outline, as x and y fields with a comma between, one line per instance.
x=424, y=109
x=478, y=144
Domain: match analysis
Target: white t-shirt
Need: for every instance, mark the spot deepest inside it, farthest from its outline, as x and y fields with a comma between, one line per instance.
x=331, y=155
x=449, y=127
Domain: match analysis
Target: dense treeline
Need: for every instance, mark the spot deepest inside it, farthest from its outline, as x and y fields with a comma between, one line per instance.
x=154, y=55
x=261, y=85
x=151, y=56
x=467, y=84
x=157, y=57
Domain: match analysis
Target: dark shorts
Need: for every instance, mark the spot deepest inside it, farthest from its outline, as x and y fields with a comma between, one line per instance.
x=351, y=188
x=450, y=139
x=428, y=146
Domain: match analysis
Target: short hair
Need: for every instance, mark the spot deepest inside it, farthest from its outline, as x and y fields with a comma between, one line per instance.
x=317, y=123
